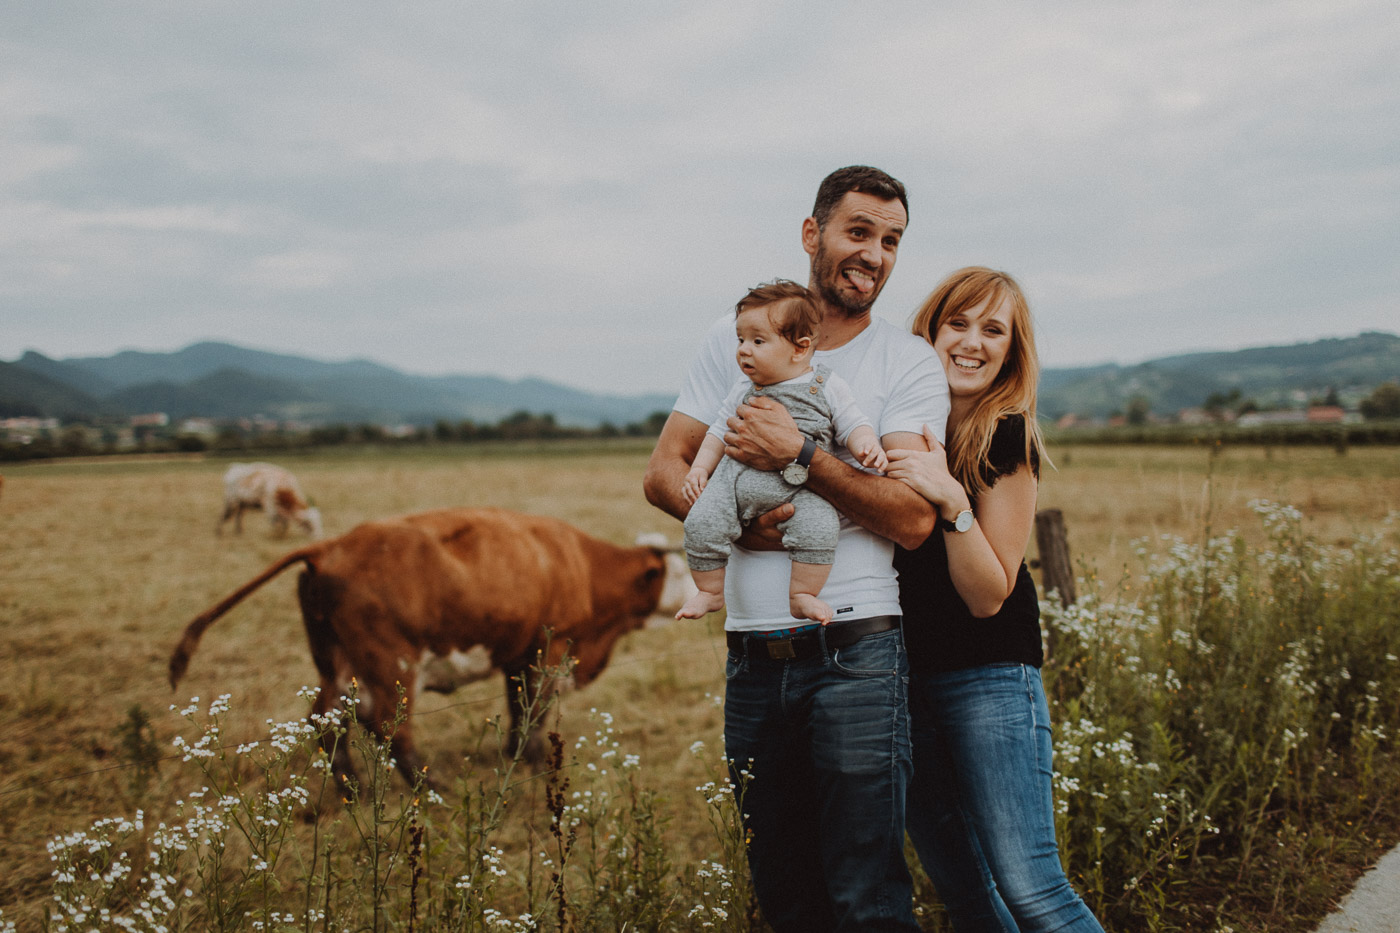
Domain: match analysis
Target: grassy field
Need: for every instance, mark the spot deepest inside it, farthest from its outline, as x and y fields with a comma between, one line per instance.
x=103, y=562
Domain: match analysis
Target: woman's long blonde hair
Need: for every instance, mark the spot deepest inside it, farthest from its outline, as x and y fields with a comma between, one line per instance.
x=1011, y=393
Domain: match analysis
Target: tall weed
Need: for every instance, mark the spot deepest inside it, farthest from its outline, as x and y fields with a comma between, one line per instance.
x=1223, y=731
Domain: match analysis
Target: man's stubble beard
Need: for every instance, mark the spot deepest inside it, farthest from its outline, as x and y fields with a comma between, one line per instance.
x=826, y=275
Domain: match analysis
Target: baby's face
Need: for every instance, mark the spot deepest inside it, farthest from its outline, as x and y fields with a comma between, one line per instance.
x=764, y=355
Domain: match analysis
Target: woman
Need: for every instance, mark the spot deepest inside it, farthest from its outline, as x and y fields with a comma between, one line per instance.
x=980, y=810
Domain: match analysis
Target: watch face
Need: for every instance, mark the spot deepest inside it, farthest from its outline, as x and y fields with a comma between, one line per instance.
x=964, y=520
x=794, y=474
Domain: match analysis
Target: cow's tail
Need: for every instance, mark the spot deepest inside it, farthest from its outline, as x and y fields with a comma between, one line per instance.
x=189, y=641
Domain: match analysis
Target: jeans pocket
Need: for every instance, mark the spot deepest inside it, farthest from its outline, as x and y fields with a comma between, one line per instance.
x=878, y=655
x=733, y=665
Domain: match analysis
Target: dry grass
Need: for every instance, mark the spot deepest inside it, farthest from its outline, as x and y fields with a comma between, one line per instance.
x=102, y=563
x=1112, y=495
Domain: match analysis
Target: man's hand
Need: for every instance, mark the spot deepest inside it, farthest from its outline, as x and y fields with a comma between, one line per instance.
x=763, y=435
x=762, y=533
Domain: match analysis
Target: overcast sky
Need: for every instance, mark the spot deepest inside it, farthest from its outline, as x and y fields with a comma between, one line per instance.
x=576, y=191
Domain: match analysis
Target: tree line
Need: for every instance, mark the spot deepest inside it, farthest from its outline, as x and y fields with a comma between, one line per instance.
x=79, y=440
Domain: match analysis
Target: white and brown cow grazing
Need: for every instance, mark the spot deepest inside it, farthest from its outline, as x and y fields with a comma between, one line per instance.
x=271, y=489
x=511, y=592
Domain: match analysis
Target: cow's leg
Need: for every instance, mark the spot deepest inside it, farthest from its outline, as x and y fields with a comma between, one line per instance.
x=316, y=605
x=388, y=691
x=238, y=518
x=228, y=513
x=337, y=747
x=528, y=692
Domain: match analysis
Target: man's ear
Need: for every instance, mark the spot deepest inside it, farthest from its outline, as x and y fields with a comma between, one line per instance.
x=811, y=236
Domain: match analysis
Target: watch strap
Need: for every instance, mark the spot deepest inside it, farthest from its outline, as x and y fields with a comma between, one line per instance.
x=809, y=450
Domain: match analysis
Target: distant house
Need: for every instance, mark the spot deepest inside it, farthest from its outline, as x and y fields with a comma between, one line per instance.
x=1255, y=418
x=25, y=430
x=155, y=419
x=30, y=425
x=1205, y=416
x=1326, y=414
x=202, y=427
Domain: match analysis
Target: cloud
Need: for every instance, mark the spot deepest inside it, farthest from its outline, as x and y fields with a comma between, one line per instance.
x=578, y=192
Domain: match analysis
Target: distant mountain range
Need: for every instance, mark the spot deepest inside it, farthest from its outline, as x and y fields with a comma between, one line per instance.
x=1271, y=376
x=219, y=380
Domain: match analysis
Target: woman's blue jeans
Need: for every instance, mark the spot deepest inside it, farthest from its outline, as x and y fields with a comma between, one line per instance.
x=819, y=749
x=980, y=807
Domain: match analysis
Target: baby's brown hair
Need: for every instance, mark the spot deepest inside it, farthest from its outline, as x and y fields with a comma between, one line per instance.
x=792, y=310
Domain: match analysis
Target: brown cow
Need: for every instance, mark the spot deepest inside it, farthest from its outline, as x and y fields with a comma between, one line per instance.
x=387, y=595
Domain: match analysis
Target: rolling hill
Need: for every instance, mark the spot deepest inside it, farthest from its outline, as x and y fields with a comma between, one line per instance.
x=1267, y=374
x=220, y=380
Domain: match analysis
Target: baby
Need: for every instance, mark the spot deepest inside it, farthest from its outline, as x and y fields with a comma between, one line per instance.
x=777, y=325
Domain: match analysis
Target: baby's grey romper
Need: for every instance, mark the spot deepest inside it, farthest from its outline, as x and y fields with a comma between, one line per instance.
x=737, y=494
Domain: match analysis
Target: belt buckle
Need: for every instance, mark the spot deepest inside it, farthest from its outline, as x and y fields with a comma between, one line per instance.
x=780, y=649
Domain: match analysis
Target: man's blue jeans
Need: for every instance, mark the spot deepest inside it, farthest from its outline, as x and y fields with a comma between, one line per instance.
x=981, y=813
x=819, y=750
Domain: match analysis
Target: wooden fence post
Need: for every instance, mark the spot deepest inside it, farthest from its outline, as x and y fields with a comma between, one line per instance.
x=1056, y=572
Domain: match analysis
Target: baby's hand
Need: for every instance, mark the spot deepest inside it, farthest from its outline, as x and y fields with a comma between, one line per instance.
x=873, y=455
x=694, y=484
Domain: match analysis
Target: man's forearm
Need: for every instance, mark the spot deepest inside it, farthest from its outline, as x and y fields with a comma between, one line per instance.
x=885, y=506
x=663, y=484
x=663, y=489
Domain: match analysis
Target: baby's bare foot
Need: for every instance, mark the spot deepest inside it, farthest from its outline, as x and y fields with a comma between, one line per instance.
x=701, y=604
x=807, y=606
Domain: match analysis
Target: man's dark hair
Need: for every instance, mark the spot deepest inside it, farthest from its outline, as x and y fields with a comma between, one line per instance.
x=859, y=178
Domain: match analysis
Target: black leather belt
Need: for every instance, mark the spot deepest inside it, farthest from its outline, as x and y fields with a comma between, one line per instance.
x=805, y=644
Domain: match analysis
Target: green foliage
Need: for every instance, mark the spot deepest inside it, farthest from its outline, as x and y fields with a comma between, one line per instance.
x=78, y=439
x=1139, y=407
x=1219, y=735
x=1299, y=434
x=1384, y=402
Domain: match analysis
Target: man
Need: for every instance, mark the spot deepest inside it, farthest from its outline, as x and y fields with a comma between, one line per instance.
x=816, y=726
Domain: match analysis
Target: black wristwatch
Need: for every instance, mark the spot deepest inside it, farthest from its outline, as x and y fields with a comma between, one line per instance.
x=962, y=522
x=795, y=473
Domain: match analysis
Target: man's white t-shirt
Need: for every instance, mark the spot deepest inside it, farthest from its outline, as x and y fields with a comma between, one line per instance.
x=899, y=384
